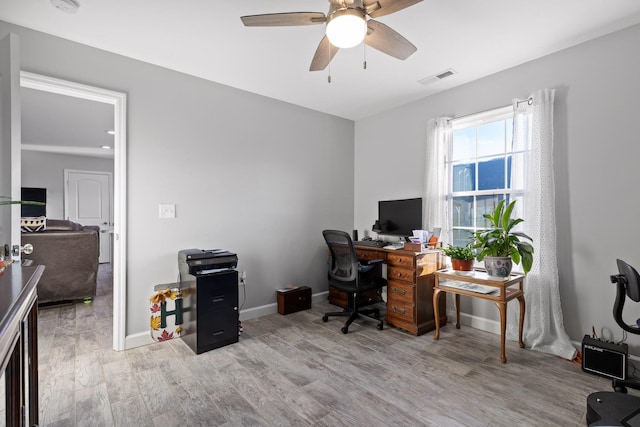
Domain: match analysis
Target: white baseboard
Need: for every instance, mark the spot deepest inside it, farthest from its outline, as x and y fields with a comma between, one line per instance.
x=255, y=312
x=488, y=325
x=144, y=338
x=476, y=322
x=264, y=310
x=492, y=326
x=138, y=340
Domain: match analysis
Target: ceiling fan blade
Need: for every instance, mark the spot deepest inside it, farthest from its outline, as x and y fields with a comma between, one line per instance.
x=378, y=8
x=388, y=41
x=284, y=19
x=324, y=54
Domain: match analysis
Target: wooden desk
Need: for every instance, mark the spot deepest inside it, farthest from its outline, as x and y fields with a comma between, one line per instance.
x=505, y=291
x=410, y=283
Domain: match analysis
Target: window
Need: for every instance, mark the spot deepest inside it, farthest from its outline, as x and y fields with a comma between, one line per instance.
x=484, y=167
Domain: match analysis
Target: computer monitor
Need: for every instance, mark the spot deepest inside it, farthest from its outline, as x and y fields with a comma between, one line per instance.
x=400, y=217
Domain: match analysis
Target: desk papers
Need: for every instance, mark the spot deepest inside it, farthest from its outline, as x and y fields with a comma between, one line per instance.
x=473, y=287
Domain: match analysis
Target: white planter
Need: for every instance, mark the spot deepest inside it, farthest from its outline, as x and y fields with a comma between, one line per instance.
x=499, y=267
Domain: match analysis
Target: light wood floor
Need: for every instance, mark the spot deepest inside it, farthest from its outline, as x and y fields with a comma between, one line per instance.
x=297, y=370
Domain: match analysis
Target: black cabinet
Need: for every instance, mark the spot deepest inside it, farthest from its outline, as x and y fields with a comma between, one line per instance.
x=211, y=311
x=19, y=345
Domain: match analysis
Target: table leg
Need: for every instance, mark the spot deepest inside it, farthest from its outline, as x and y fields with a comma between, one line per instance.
x=502, y=307
x=436, y=312
x=457, y=311
x=521, y=325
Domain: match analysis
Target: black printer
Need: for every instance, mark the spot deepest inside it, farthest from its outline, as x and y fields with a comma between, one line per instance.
x=198, y=262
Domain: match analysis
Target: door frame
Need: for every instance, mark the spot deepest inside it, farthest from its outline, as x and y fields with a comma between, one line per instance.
x=119, y=102
x=10, y=137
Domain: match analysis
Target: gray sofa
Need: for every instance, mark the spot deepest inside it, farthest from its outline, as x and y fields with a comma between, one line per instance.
x=69, y=252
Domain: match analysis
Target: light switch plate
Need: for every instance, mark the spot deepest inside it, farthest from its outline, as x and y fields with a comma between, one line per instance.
x=167, y=211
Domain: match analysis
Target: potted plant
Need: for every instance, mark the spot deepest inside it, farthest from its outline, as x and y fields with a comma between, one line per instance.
x=461, y=257
x=500, y=246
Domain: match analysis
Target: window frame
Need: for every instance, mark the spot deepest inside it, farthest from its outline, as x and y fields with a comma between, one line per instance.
x=508, y=192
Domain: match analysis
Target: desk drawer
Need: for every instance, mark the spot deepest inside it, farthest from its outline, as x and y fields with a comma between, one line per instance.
x=399, y=291
x=401, y=260
x=401, y=310
x=368, y=255
x=395, y=273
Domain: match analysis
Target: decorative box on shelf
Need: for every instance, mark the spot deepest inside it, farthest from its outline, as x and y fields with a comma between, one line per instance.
x=293, y=299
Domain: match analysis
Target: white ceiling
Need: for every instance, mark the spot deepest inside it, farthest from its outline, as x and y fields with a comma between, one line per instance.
x=64, y=124
x=206, y=38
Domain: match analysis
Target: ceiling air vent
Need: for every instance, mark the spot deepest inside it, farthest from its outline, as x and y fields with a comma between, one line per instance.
x=445, y=74
x=437, y=77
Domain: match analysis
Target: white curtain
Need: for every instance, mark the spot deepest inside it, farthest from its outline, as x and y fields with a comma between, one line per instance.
x=436, y=212
x=543, y=327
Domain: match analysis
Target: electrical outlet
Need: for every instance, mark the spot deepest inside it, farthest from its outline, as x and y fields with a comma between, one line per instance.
x=167, y=211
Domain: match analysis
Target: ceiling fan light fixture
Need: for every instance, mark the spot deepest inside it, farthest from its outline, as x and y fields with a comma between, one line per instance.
x=346, y=28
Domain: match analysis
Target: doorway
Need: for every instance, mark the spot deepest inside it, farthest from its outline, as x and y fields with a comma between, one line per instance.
x=118, y=101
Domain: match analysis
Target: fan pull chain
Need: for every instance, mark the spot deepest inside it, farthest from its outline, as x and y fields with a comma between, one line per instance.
x=364, y=54
x=329, y=49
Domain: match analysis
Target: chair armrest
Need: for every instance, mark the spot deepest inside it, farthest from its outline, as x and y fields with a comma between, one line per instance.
x=91, y=228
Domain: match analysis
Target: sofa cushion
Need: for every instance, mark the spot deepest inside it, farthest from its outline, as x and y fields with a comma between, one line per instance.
x=33, y=224
x=62, y=225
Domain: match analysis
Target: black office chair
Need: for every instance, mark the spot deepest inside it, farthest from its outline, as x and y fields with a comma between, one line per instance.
x=348, y=274
x=617, y=408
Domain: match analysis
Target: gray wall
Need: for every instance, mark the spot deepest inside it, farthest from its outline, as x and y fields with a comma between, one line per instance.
x=252, y=175
x=247, y=173
x=595, y=161
x=46, y=170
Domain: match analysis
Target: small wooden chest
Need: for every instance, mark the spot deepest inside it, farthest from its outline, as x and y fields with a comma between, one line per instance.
x=413, y=247
x=291, y=300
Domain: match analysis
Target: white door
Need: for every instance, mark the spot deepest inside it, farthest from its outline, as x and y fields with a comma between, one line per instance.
x=10, y=156
x=87, y=201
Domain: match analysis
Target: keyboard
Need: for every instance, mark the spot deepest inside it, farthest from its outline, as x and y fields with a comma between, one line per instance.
x=374, y=243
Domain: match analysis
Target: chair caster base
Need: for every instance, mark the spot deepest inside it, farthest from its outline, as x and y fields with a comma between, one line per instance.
x=344, y=330
x=325, y=319
x=380, y=326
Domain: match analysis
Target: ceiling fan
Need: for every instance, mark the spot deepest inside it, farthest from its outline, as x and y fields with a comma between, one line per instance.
x=348, y=24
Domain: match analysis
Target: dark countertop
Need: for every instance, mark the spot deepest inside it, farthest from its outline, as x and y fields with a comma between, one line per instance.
x=17, y=292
